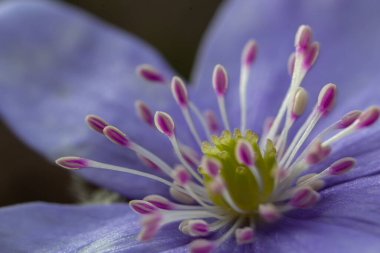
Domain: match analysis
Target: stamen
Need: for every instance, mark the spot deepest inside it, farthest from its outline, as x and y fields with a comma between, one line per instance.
x=291, y=63
x=341, y=166
x=151, y=160
x=154, y=160
x=147, y=162
x=182, y=197
x=116, y=136
x=348, y=119
x=172, y=216
x=179, y=92
x=212, y=166
x=305, y=128
x=317, y=153
x=177, y=151
x=160, y=202
x=96, y=123
x=142, y=207
x=268, y=123
x=202, y=246
x=220, y=84
x=269, y=213
x=369, y=117
x=245, y=155
x=302, y=43
x=230, y=231
x=311, y=55
x=151, y=225
x=220, y=223
x=150, y=74
x=207, y=246
x=165, y=125
x=298, y=108
x=304, y=198
x=326, y=98
x=144, y=112
x=212, y=122
x=244, y=235
x=300, y=101
x=217, y=186
x=366, y=119
x=311, y=180
x=190, y=155
x=248, y=57
x=304, y=37
x=198, y=228
x=196, y=197
x=201, y=119
x=181, y=176
x=72, y=162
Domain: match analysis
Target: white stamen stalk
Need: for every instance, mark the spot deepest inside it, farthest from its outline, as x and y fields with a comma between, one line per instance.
x=191, y=126
x=105, y=166
x=201, y=119
x=197, y=198
x=223, y=112
x=177, y=151
x=345, y=132
x=152, y=157
x=302, y=139
x=220, y=223
x=220, y=85
x=299, y=135
x=244, y=76
x=248, y=57
x=230, y=231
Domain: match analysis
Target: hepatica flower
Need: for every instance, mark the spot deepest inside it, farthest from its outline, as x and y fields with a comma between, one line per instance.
x=238, y=161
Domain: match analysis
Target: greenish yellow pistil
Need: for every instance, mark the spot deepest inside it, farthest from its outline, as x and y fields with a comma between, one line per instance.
x=240, y=182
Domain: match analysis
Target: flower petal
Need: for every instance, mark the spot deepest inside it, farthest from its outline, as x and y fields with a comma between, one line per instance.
x=40, y=227
x=317, y=236
x=56, y=66
x=346, y=220
x=347, y=31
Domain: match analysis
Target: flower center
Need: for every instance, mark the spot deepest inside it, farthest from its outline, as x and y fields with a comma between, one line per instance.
x=247, y=172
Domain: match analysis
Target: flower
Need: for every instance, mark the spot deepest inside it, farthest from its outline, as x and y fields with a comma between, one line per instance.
x=343, y=216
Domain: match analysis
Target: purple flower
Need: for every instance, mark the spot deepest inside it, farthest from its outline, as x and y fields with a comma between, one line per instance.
x=306, y=182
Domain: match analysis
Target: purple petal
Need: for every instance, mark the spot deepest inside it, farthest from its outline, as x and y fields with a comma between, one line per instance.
x=358, y=200
x=42, y=227
x=346, y=220
x=316, y=236
x=347, y=31
x=57, y=65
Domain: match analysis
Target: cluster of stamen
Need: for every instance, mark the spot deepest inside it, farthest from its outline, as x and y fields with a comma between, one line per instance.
x=240, y=178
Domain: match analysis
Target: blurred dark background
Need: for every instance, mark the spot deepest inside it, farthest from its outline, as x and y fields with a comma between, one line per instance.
x=173, y=27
